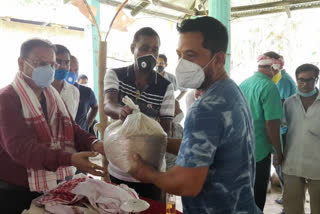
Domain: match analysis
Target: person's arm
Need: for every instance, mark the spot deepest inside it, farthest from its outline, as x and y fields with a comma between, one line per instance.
x=273, y=132
x=93, y=109
x=19, y=141
x=85, y=143
x=113, y=108
x=178, y=180
x=166, y=125
x=272, y=107
x=76, y=100
x=182, y=93
x=167, y=109
x=92, y=114
x=284, y=123
x=195, y=156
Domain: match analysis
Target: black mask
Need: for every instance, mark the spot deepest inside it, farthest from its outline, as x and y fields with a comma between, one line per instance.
x=146, y=63
x=160, y=68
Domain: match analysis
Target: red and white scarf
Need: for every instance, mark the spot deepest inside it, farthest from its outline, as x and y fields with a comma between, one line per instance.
x=275, y=63
x=57, y=133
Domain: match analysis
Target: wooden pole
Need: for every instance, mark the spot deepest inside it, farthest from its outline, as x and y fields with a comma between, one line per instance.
x=102, y=62
x=221, y=10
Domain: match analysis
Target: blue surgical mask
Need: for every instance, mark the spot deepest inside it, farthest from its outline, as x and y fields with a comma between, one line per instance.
x=42, y=76
x=60, y=74
x=71, y=77
x=309, y=94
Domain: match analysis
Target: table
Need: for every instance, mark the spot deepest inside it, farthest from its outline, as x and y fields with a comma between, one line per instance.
x=155, y=207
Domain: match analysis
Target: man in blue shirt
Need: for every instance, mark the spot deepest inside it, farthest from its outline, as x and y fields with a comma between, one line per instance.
x=88, y=106
x=215, y=168
x=287, y=86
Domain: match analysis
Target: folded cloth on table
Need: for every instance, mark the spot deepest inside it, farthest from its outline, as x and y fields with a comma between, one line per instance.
x=61, y=209
x=103, y=197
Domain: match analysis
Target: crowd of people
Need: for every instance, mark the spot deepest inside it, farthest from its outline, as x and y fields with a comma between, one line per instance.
x=219, y=162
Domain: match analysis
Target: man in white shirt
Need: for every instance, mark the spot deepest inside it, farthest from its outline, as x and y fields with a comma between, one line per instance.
x=301, y=152
x=69, y=94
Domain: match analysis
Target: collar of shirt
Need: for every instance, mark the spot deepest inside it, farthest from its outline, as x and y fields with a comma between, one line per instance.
x=283, y=71
x=152, y=77
x=262, y=75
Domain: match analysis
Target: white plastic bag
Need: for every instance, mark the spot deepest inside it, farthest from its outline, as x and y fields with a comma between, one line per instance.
x=137, y=134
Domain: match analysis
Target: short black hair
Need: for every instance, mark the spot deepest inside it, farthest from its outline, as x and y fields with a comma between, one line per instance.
x=62, y=49
x=162, y=56
x=28, y=45
x=215, y=34
x=73, y=58
x=306, y=68
x=272, y=55
x=145, y=31
x=82, y=76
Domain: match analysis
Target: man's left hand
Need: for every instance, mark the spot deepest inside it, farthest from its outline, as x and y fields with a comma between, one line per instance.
x=98, y=147
x=141, y=170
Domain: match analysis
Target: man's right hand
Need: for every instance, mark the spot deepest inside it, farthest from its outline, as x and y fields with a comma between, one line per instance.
x=277, y=158
x=124, y=112
x=81, y=161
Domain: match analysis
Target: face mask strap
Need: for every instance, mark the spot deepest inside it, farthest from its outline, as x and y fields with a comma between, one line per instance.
x=26, y=75
x=212, y=59
x=28, y=64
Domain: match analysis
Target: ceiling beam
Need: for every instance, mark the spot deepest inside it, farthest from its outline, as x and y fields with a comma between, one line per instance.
x=274, y=7
x=236, y=12
x=115, y=3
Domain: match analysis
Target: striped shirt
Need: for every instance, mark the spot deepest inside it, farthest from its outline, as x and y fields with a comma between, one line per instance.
x=156, y=100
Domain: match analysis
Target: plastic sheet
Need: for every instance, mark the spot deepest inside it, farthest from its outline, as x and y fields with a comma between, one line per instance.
x=137, y=134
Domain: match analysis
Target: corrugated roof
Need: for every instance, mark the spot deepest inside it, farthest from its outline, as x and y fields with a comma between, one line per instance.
x=179, y=9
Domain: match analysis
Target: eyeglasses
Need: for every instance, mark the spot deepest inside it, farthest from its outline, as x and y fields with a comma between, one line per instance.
x=306, y=81
x=37, y=63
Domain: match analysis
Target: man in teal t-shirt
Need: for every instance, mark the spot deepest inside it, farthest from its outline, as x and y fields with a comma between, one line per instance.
x=265, y=104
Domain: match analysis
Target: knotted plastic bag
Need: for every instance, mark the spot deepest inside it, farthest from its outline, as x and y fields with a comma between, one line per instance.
x=137, y=134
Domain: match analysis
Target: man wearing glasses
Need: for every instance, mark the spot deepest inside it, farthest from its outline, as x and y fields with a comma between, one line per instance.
x=69, y=94
x=39, y=141
x=264, y=100
x=301, y=153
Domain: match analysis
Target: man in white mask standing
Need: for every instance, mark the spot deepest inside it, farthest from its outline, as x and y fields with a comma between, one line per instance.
x=215, y=168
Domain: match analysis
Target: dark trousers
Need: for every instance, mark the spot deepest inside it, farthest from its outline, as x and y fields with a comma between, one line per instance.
x=262, y=180
x=14, y=199
x=143, y=189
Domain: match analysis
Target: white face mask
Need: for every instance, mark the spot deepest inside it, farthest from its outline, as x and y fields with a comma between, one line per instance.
x=189, y=74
